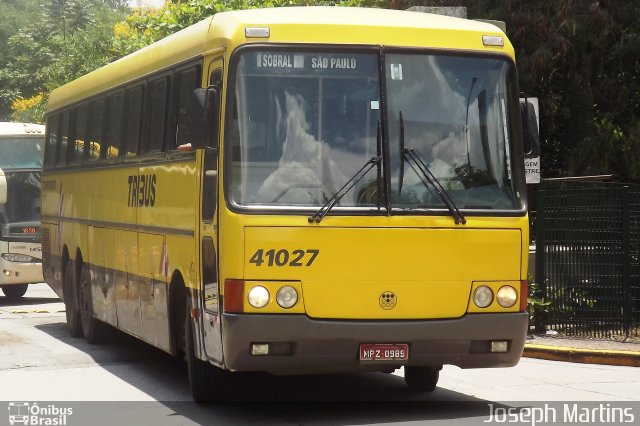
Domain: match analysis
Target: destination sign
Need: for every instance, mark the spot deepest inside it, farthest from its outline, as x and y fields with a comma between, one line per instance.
x=304, y=63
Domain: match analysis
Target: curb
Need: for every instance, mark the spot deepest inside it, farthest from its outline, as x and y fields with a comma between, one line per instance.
x=586, y=356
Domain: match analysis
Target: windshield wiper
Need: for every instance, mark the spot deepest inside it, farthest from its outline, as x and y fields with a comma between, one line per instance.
x=331, y=202
x=428, y=179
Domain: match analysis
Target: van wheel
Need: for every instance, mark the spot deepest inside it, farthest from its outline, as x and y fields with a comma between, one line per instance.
x=91, y=327
x=71, y=300
x=205, y=380
x=421, y=379
x=14, y=292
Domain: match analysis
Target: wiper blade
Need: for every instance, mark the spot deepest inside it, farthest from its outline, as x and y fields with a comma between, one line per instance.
x=428, y=179
x=331, y=202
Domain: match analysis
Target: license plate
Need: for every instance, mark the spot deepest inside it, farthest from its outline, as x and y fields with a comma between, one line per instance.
x=384, y=352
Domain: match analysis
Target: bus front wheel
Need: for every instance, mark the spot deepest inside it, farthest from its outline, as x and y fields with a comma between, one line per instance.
x=14, y=292
x=205, y=380
x=421, y=379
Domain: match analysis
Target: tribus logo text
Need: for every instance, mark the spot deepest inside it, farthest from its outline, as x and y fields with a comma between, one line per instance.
x=142, y=191
x=32, y=414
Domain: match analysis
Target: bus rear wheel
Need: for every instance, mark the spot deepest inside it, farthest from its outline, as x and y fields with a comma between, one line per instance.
x=14, y=292
x=205, y=380
x=421, y=379
x=71, y=300
x=91, y=327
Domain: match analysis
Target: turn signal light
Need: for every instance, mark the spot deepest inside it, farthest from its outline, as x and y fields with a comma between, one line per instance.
x=524, y=295
x=233, y=296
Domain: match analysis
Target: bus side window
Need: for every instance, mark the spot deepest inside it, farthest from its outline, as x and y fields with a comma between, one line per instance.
x=187, y=81
x=115, y=126
x=157, y=109
x=96, y=118
x=52, y=140
x=133, y=116
x=63, y=140
x=80, y=134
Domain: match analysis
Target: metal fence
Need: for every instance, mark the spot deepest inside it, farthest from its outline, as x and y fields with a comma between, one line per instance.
x=588, y=258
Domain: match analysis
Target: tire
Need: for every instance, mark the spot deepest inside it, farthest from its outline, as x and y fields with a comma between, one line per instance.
x=71, y=300
x=91, y=327
x=421, y=379
x=15, y=291
x=205, y=380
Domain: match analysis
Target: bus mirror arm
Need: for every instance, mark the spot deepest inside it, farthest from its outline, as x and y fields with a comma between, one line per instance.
x=3, y=188
x=203, y=118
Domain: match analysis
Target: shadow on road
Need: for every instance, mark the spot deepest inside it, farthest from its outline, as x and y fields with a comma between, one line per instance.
x=257, y=397
x=27, y=301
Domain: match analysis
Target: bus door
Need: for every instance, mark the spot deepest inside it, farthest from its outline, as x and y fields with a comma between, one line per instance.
x=209, y=239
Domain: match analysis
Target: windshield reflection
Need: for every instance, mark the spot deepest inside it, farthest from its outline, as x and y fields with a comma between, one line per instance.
x=454, y=115
x=304, y=123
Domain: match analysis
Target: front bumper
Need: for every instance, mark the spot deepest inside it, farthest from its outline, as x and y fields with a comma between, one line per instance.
x=20, y=273
x=305, y=346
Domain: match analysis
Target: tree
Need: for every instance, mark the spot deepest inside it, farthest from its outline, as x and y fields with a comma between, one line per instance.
x=14, y=15
x=70, y=38
x=581, y=59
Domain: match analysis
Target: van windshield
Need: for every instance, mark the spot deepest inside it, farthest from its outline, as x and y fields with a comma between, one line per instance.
x=21, y=153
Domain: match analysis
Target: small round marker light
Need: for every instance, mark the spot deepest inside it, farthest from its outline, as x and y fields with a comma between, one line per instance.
x=258, y=297
x=507, y=296
x=482, y=296
x=287, y=297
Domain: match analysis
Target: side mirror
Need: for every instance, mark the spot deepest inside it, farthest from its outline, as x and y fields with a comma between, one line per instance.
x=531, y=138
x=3, y=188
x=204, y=118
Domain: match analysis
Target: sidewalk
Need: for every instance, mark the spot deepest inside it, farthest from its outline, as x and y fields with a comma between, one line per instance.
x=590, y=351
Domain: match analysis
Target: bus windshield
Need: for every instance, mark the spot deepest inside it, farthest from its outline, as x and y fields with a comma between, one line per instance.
x=456, y=113
x=21, y=153
x=305, y=122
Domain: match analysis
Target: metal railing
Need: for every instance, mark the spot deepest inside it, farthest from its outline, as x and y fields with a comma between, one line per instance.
x=587, y=258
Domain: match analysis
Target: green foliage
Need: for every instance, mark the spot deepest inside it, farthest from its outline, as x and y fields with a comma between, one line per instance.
x=582, y=60
x=64, y=40
x=536, y=303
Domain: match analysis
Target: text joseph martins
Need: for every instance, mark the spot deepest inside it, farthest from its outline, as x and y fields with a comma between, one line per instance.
x=564, y=414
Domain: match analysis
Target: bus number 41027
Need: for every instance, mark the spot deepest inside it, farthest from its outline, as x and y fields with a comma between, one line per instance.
x=282, y=257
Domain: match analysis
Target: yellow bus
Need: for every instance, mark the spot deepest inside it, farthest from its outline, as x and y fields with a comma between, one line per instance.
x=21, y=152
x=296, y=191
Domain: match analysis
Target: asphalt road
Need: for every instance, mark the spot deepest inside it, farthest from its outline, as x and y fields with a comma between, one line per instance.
x=126, y=381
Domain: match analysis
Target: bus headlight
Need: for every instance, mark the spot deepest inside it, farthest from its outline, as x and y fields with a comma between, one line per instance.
x=507, y=296
x=15, y=257
x=258, y=297
x=482, y=296
x=287, y=297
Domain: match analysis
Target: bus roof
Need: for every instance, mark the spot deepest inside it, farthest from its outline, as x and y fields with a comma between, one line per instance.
x=20, y=129
x=315, y=25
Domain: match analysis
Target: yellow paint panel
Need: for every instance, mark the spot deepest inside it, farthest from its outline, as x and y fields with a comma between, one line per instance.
x=430, y=271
